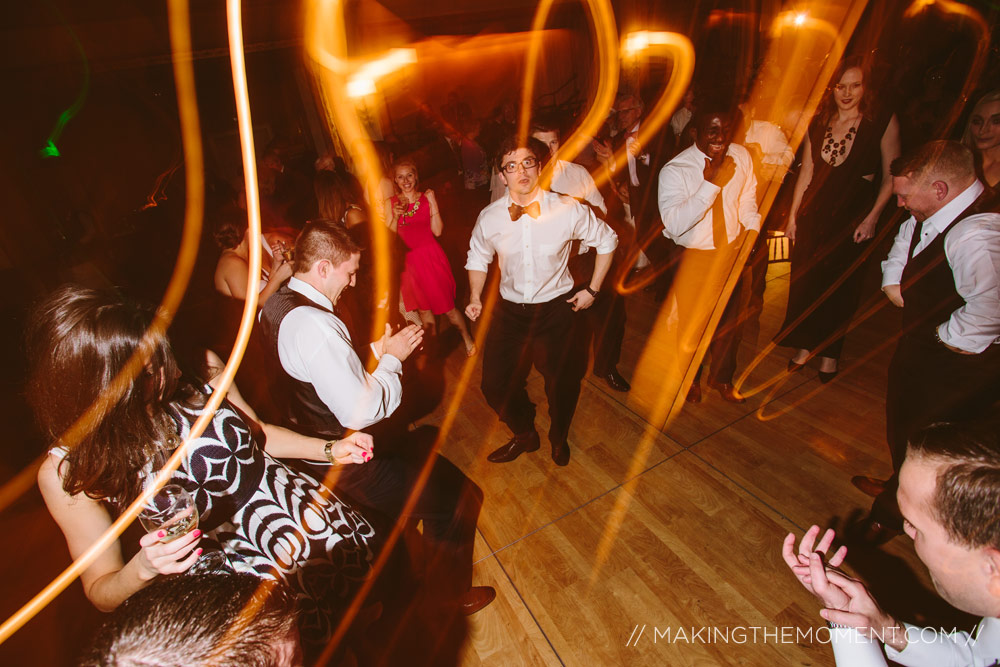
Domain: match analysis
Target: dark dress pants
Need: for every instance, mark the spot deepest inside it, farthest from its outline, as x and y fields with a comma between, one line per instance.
x=544, y=335
x=448, y=505
x=929, y=383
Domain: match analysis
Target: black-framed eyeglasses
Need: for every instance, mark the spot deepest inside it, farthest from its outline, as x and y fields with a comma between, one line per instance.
x=527, y=163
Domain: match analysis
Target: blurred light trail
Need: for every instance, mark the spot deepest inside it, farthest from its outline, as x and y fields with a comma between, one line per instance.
x=180, y=39
x=50, y=149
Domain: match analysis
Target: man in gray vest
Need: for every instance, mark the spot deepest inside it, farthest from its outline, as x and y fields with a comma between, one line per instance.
x=330, y=391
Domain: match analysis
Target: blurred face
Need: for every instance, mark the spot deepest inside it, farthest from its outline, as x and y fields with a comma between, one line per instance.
x=962, y=576
x=848, y=91
x=550, y=139
x=916, y=196
x=629, y=113
x=341, y=276
x=406, y=178
x=713, y=133
x=985, y=126
x=522, y=181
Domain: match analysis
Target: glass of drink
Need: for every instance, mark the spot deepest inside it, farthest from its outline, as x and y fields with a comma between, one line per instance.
x=173, y=510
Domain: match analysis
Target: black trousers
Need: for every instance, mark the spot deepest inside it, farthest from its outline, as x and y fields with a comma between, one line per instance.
x=448, y=505
x=544, y=335
x=929, y=383
x=606, y=324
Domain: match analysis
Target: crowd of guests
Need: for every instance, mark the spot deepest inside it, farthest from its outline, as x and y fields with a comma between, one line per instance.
x=305, y=495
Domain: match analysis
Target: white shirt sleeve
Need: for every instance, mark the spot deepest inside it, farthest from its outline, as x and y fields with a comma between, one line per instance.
x=927, y=647
x=315, y=347
x=851, y=648
x=682, y=205
x=892, y=267
x=973, y=251
x=593, y=232
x=481, y=251
x=749, y=216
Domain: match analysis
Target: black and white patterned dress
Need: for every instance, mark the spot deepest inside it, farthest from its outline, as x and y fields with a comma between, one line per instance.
x=273, y=521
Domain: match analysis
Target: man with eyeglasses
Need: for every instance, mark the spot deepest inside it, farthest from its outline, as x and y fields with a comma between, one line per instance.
x=531, y=231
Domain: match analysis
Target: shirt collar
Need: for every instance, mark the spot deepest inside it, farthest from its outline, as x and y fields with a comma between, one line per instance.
x=309, y=292
x=540, y=198
x=947, y=213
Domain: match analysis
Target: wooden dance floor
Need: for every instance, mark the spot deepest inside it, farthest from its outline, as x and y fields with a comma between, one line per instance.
x=674, y=558
x=653, y=547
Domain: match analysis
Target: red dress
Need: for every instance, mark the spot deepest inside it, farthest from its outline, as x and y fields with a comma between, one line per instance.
x=426, y=283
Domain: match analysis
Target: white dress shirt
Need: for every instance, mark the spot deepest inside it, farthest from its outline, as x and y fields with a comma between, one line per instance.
x=533, y=254
x=925, y=647
x=772, y=141
x=972, y=249
x=569, y=178
x=685, y=198
x=680, y=119
x=633, y=175
x=314, y=346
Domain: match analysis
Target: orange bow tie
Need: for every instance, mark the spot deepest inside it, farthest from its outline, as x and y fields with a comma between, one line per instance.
x=533, y=209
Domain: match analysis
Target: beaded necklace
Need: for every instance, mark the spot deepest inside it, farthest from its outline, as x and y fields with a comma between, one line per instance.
x=409, y=212
x=835, y=150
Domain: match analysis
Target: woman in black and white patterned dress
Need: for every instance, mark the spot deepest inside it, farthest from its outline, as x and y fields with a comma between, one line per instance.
x=267, y=519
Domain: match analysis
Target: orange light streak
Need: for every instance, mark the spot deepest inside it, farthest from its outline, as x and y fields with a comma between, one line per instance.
x=191, y=137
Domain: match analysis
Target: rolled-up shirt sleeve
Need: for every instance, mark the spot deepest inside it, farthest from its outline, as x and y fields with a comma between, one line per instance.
x=973, y=251
x=593, y=232
x=481, y=251
x=892, y=267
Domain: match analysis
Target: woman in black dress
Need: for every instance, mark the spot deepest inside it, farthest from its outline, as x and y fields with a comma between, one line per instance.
x=842, y=188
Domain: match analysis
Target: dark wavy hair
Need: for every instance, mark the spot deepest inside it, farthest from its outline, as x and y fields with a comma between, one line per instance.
x=335, y=193
x=231, y=226
x=828, y=106
x=78, y=340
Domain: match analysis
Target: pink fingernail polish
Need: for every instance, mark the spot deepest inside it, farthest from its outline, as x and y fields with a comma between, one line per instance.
x=197, y=533
x=162, y=533
x=199, y=551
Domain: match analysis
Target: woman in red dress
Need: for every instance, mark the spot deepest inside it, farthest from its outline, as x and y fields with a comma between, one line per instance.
x=426, y=283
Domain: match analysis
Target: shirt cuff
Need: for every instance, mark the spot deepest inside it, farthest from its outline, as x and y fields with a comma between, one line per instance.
x=390, y=363
x=471, y=265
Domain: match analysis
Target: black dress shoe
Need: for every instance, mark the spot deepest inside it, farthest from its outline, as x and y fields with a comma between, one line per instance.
x=868, y=485
x=560, y=454
x=727, y=391
x=694, y=394
x=794, y=366
x=827, y=376
x=514, y=447
x=476, y=598
x=615, y=380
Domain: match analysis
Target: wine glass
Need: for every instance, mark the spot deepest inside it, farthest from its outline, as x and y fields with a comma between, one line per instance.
x=173, y=510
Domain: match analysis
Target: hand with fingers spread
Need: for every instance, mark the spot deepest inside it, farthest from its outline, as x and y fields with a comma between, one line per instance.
x=157, y=557
x=402, y=344
x=799, y=563
x=847, y=601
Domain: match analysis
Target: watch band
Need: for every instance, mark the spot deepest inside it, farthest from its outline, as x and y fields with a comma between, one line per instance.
x=593, y=292
x=328, y=452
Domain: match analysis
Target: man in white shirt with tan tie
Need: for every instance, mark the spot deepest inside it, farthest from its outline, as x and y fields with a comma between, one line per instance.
x=944, y=272
x=530, y=231
x=707, y=201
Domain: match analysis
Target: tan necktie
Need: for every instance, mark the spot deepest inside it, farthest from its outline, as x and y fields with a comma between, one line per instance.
x=720, y=238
